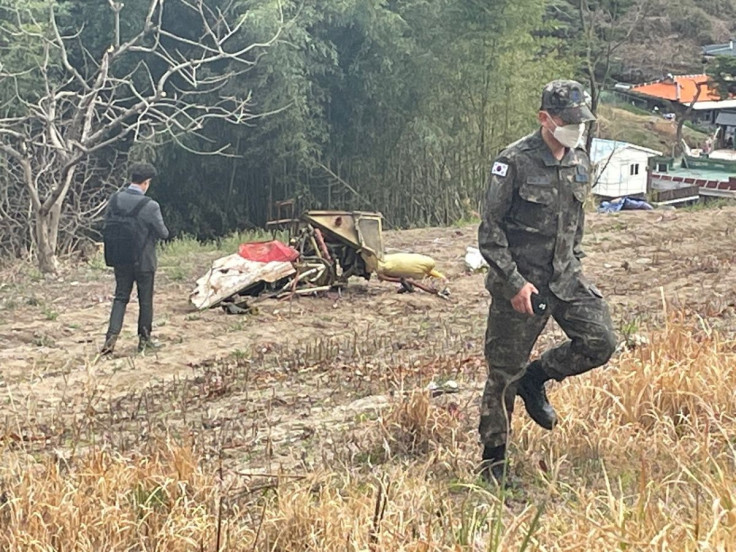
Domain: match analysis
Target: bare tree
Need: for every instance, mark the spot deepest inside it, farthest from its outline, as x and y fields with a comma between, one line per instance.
x=684, y=113
x=605, y=27
x=84, y=204
x=173, y=86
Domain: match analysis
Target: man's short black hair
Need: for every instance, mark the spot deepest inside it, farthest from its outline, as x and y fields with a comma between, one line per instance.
x=140, y=172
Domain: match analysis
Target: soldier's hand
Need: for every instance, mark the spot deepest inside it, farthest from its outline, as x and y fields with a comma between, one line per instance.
x=522, y=301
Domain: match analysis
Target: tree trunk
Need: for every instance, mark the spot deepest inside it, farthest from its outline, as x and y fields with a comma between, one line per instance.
x=595, y=94
x=678, y=140
x=685, y=116
x=47, y=233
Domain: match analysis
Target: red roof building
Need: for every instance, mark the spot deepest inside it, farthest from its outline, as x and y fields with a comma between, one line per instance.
x=681, y=89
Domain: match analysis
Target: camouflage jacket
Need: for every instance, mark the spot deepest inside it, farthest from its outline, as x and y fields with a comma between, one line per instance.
x=533, y=219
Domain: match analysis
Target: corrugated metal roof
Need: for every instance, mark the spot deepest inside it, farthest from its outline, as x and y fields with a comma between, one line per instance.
x=728, y=119
x=728, y=49
x=601, y=149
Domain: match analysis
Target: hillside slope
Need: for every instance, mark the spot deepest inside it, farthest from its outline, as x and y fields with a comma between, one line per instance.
x=651, y=131
x=670, y=37
x=305, y=428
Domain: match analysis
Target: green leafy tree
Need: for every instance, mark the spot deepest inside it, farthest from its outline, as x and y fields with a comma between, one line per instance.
x=389, y=106
x=396, y=106
x=722, y=72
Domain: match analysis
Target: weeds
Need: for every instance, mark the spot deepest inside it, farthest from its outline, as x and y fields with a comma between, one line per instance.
x=643, y=459
x=187, y=246
x=628, y=330
x=709, y=203
x=176, y=273
x=49, y=313
x=43, y=340
x=97, y=261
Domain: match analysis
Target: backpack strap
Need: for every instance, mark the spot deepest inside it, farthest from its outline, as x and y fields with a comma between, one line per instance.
x=134, y=213
x=114, y=209
x=137, y=209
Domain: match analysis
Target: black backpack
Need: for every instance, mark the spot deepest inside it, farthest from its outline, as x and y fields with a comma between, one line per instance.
x=123, y=234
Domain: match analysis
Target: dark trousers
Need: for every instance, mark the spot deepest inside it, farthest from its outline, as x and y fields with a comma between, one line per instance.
x=510, y=337
x=125, y=276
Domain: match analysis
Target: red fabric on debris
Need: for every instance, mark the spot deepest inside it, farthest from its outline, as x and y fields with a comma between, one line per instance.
x=266, y=252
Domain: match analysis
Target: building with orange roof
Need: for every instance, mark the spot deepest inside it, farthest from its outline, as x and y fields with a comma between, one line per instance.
x=706, y=171
x=682, y=89
x=675, y=94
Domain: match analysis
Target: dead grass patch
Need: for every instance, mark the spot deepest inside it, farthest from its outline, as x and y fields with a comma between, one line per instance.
x=417, y=425
x=643, y=460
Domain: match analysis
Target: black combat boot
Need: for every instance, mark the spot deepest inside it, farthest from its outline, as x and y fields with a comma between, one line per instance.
x=109, y=346
x=531, y=390
x=494, y=466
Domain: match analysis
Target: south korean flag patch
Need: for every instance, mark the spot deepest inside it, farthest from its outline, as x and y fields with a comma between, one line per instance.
x=500, y=169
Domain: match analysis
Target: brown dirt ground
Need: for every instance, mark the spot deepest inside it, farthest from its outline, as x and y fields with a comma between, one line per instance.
x=313, y=366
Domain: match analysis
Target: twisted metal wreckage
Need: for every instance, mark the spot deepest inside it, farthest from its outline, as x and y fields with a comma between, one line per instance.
x=326, y=249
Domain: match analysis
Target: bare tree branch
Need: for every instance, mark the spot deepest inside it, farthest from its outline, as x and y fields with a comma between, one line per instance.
x=605, y=28
x=177, y=86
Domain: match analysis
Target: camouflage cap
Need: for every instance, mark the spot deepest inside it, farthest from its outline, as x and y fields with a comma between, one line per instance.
x=566, y=99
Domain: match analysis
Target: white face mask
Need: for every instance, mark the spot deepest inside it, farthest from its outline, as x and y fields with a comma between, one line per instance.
x=569, y=135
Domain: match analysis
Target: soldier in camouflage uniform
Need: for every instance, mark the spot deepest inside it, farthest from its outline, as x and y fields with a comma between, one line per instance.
x=530, y=235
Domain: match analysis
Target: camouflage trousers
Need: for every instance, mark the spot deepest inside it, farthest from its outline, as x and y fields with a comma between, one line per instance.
x=510, y=337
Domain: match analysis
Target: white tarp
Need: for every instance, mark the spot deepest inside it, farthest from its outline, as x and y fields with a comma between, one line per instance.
x=232, y=274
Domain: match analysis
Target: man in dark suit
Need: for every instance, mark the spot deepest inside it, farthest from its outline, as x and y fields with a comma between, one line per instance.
x=151, y=228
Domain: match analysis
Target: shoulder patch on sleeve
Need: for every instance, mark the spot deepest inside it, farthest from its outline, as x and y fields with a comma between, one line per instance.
x=500, y=169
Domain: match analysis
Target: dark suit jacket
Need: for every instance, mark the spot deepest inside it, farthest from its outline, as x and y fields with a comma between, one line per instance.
x=150, y=219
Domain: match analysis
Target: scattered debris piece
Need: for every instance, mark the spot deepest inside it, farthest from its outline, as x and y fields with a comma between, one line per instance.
x=635, y=340
x=408, y=269
x=446, y=387
x=233, y=275
x=266, y=252
x=631, y=342
x=408, y=265
x=326, y=249
x=474, y=261
x=624, y=204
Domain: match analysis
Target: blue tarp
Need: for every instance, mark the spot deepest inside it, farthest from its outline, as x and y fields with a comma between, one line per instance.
x=624, y=204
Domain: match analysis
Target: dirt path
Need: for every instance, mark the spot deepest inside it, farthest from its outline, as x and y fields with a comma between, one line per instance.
x=313, y=365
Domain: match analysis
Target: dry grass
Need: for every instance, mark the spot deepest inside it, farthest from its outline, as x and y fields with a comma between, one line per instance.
x=652, y=131
x=643, y=460
x=160, y=501
x=417, y=426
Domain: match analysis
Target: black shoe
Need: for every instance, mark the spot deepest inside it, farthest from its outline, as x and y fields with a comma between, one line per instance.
x=494, y=467
x=531, y=390
x=405, y=287
x=109, y=346
x=146, y=344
